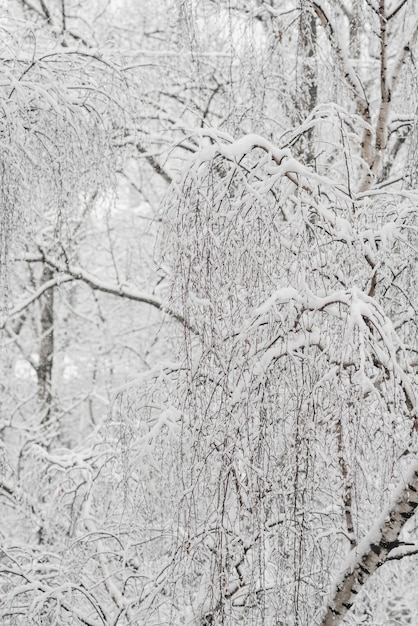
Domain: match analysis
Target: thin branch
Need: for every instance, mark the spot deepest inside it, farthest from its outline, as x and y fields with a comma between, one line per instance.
x=17, y=310
x=349, y=74
x=397, y=9
x=154, y=164
x=64, y=17
x=405, y=52
x=31, y=7
x=46, y=11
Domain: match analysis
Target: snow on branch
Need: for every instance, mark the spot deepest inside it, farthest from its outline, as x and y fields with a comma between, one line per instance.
x=358, y=311
x=237, y=150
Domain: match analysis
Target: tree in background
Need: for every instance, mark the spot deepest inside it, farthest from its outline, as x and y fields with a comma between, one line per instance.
x=252, y=460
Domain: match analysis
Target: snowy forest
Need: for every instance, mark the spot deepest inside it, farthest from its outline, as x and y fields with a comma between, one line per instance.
x=209, y=312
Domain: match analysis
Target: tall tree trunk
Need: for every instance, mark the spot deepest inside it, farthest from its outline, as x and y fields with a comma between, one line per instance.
x=46, y=350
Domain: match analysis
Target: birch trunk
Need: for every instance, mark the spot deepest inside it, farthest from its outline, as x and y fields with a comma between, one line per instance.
x=373, y=550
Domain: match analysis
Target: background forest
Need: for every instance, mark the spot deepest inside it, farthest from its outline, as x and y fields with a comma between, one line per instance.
x=209, y=327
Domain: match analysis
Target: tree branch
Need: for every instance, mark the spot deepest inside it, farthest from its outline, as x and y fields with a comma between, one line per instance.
x=77, y=273
x=17, y=310
x=404, y=53
x=154, y=164
x=349, y=74
x=396, y=9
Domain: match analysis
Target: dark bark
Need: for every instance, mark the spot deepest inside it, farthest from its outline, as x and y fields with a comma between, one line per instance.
x=46, y=349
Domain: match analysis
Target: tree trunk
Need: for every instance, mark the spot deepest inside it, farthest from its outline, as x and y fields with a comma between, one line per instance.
x=46, y=350
x=372, y=552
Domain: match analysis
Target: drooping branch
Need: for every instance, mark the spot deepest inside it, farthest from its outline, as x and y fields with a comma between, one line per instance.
x=373, y=551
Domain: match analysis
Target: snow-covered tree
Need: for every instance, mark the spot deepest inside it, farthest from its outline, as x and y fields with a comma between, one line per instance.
x=299, y=373
x=244, y=172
